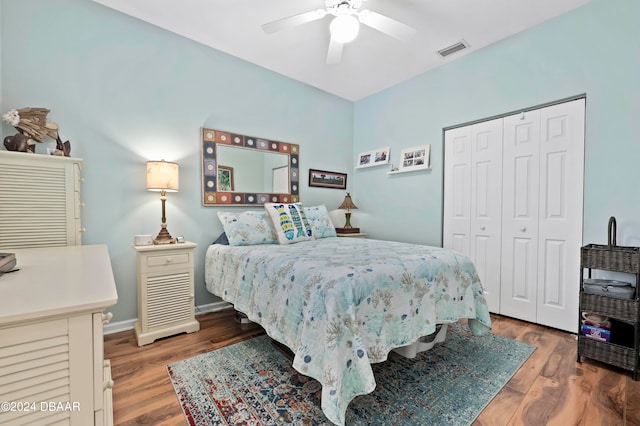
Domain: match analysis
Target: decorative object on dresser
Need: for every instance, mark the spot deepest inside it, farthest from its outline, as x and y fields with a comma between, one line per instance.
x=250, y=160
x=51, y=339
x=165, y=291
x=163, y=176
x=324, y=179
x=39, y=200
x=31, y=123
x=347, y=204
x=609, y=318
x=7, y=262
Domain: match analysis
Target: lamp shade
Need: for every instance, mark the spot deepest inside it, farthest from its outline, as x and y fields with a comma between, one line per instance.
x=344, y=28
x=162, y=176
x=347, y=203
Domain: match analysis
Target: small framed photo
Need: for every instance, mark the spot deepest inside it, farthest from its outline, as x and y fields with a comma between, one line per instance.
x=376, y=157
x=415, y=158
x=225, y=178
x=324, y=179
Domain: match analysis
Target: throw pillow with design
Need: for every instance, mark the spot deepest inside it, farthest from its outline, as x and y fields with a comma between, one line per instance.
x=247, y=228
x=290, y=222
x=321, y=225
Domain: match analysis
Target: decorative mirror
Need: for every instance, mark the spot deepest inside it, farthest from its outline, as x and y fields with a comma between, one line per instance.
x=247, y=170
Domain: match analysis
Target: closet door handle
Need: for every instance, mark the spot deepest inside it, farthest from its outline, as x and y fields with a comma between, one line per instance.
x=524, y=228
x=482, y=228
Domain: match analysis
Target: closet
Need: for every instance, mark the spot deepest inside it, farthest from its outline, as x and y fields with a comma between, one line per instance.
x=513, y=198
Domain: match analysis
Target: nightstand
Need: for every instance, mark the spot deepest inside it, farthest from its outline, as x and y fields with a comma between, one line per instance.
x=165, y=291
x=354, y=235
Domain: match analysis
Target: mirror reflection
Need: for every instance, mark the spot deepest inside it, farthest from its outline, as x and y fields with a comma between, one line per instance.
x=246, y=170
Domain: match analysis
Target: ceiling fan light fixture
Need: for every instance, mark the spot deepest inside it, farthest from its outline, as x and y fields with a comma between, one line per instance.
x=344, y=28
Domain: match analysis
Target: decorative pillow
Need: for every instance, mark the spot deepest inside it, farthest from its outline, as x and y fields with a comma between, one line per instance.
x=321, y=225
x=248, y=228
x=290, y=222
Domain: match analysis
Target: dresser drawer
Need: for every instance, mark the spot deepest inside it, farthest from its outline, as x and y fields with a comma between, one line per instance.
x=153, y=262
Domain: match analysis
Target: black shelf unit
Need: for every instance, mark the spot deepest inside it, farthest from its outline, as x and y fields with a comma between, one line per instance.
x=623, y=350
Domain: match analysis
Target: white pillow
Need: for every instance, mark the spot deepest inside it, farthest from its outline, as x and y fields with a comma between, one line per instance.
x=248, y=228
x=289, y=221
x=321, y=225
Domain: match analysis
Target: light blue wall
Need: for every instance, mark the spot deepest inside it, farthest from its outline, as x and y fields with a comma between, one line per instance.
x=593, y=50
x=123, y=91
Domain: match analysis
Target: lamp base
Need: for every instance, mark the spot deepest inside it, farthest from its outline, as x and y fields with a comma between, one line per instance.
x=348, y=230
x=164, y=237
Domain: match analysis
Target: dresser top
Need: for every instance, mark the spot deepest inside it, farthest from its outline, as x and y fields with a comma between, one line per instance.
x=55, y=281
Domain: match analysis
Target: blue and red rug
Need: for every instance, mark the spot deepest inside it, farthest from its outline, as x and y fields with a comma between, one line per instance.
x=252, y=383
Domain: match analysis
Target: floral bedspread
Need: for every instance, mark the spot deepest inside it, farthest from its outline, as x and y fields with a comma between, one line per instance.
x=342, y=303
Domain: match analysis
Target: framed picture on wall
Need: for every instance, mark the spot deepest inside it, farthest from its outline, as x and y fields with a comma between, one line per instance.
x=376, y=157
x=225, y=178
x=415, y=158
x=324, y=179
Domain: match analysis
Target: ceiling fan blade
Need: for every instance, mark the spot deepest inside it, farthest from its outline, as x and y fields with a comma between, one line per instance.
x=334, y=56
x=293, y=21
x=386, y=25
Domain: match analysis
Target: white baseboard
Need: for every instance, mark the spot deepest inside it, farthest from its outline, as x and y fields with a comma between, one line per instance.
x=125, y=325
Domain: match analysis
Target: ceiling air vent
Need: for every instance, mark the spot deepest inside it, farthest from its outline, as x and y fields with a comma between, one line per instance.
x=449, y=50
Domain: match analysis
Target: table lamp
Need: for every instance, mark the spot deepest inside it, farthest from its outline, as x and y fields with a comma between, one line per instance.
x=163, y=176
x=348, y=204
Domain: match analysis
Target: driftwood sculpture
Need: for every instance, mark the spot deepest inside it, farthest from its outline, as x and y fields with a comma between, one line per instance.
x=32, y=124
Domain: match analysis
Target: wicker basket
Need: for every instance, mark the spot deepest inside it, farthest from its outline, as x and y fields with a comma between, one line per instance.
x=609, y=353
x=622, y=309
x=611, y=257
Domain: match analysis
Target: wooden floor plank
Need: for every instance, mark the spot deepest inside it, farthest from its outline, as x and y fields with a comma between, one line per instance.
x=551, y=385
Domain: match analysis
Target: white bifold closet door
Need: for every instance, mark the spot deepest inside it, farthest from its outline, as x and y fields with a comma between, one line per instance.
x=472, y=208
x=513, y=203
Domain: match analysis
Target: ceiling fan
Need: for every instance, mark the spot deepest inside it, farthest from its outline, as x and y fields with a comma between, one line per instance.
x=345, y=25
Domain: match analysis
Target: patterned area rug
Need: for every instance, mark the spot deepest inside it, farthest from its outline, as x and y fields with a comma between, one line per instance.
x=252, y=383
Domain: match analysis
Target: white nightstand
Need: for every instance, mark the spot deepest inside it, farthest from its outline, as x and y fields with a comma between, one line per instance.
x=165, y=291
x=355, y=235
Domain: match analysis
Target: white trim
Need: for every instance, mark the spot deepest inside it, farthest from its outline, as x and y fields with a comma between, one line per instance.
x=129, y=324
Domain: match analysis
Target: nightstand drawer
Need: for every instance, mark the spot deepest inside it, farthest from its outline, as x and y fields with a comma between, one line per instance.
x=176, y=259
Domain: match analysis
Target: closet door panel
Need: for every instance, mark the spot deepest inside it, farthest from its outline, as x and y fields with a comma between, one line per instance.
x=561, y=202
x=520, y=215
x=457, y=184
x=486, y=207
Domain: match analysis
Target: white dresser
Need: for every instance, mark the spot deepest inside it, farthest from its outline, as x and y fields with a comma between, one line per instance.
x=52, y=367
x=39, y=200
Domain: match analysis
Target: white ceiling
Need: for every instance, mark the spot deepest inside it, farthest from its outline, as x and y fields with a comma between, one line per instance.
x=373, y=62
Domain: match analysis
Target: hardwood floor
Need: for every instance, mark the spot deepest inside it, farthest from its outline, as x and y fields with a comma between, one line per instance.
x=551, y=388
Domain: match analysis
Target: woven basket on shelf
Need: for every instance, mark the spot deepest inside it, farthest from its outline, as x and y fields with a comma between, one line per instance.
x=622, y=309
x=611, y=256
x=609, y=353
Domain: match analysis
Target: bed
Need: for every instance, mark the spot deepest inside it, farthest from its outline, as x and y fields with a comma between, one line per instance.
x=341, y=304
